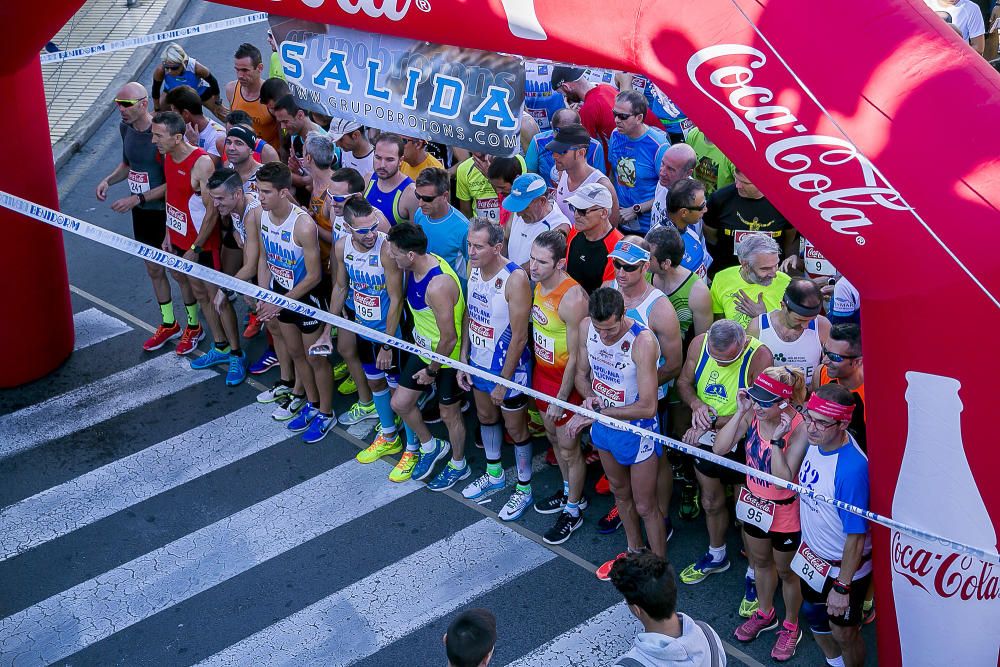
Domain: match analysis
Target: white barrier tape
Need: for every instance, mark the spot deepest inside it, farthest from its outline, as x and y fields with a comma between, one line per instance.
x=155, y=38
x=170, y=261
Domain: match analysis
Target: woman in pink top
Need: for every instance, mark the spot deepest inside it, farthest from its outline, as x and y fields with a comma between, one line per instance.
x=765, y=415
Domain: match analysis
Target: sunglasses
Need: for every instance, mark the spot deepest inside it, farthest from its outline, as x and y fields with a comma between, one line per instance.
x=821, y=424
x=762, y=403
x=340, y=199
x=582, y=211
x=692, y=207
x=837, y=358
x=126, y=104
x=623, y=116
x=172, y=67
x=364, y=231
x=627, y=268
x=427, y=198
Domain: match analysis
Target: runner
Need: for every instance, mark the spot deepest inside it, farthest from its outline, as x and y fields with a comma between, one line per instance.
x=260, y=150
x=192, y=233
x=446, y=228
x=844, y=364
x=770, y=515
x=177, y=68
x=495, y=334
x=434, y=298
x=592, y=238
x=296, y=125
x=685, y=208
x=569, y=152
x=560, y=305
x=416, y=158
x=534, y=214
x=795, y=332
x=319, y=155
x=677, y=163
x=390, y=190
x=632, y=150
x=201, y=132
x=244, y=94
x=502, y=173
x=356, y=151
x=538, y=158
x=289, y=265
x=743, y=292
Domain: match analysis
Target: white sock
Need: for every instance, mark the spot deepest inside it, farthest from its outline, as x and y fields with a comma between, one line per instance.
x=427, y=447
x=718, y=553
x=458, y=464
x=751, y=574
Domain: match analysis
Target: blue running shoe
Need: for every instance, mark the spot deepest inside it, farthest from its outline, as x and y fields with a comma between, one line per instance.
x=214, y=357
x=267, y=361
x=427, y=461
x=303, y=419
x=483, y=485
x=318, y=429
x=237, y=369
x=448, y=477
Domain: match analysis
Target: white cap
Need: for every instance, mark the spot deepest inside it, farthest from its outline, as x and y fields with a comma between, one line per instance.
x=591, y=194
x=341, y=126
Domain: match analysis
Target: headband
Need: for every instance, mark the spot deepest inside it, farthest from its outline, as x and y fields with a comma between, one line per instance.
x=777, y=388
x=804, y=311
x=829, y=408
x=244, y=134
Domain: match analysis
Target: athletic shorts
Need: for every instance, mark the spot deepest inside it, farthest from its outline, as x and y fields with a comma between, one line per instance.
x=229, y=235
x=446, y=382
x=542, y=383
x=724, y=475
x=627, y=448
x=149, y=226
x=207, y=258
x=513, y=398
x=783, y=542
x=318, y=298
x=854, y=615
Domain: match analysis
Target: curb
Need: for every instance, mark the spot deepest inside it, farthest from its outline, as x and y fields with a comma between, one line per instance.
x=84, y=129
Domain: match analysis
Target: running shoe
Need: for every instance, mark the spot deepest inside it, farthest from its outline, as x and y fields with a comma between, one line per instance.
x=237, y=369
x=788, y=639
x=382, y=446
x=482, y=485
x=749, y=604
x=603, y=486
x=563, y=528
x=340, y=371
x=214, y=357
x=868, y=612
x=277, y=390
x=302, y=420
x=706, y=565
x=404, y=467
x=550, y=457
x=756, y=624
x=318, y=428
x=690, y=501
x=604, y=572
x=288, y=406
x=518, y=503
x=591, y=455
x=189, y=340
x=160, y=337
x=357, y=414
x=347, y=387
x=448, y=477
x=253, y=326
x=425, y=466
x=557, y=503
x=267, y=361
x=610, y=522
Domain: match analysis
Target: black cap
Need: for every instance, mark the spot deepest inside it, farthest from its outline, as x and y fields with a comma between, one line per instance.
x=563, y=73
x=570, y=136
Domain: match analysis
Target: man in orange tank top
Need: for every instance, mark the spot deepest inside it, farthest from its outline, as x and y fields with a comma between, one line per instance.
x=244, y=93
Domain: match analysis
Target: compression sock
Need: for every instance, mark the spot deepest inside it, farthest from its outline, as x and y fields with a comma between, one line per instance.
x=386, y=417
x=167, y=313
x=522, y=454
x=192, y=314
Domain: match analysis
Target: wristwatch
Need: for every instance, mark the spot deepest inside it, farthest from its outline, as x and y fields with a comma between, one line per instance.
x=433, y=373
x=197, y=249
x=778, y=442
x=142, y=198
x=387, y=347
x=840, y=587
x=637, y=209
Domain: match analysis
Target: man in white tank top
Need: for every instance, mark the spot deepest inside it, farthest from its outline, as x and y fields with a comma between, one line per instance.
x=569, y=151
x=795, y=332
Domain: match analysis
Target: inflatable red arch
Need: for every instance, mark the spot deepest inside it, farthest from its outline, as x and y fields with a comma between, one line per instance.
x=871, y=125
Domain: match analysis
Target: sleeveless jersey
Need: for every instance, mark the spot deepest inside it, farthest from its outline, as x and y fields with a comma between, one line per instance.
x=640, y=313
x=804, y=352
x=187, y=78
x=185, y=209
x=549, y=331
x=563, y=192
x=718, y=385
x=285, y=258
x=264, y=124
x=316, y=205
x=367, y=293
x=239, y=224
x=425, y=329
x=613, y=371
x=387, y=202
x=489, y=319
x=679, y=297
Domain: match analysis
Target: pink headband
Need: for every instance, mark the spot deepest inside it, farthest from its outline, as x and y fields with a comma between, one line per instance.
x=829, y=408
x=777, y=388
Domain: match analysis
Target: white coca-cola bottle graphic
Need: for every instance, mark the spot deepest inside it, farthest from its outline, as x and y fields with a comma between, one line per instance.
x=947, y=604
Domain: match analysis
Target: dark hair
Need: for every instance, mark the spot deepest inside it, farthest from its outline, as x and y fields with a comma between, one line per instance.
x=665, y=243
x=606, y=303
x=564, y=116
x=357, y=207
x=355, y=181
x=636, y=100
x=682, y=194
x=390, y=138
x=248, y=50
x=288, y=103
x=435, y=176
x=171, y=120
x=275, y=173
x=239, y=117
x=273, y=90
x=185, y=98
x=848, y=332
x=494, y=232
x=804, y=293
x=226, y=177
x=471, y=636
x=647, y=581
x=837, y=393
x=409, y=237
x=505, y=169
x=554, y=241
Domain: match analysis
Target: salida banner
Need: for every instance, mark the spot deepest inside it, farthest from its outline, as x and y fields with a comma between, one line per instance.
x=456, y=96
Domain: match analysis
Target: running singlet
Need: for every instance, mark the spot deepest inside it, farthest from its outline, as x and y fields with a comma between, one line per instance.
x=425, y=329
x=803, y=352
x=187, y=78
x=264, y=124
x=387, y=202
x=563, y=192
x=613, y=371
x=640, y=313
x=285, y=258
x=239, y=226
x=759, y=458
x=718, y=385
x=679, y=298
x=367, y=291
x=316, y=206
x=185, y=209
x=489, y=320
x=549, y=332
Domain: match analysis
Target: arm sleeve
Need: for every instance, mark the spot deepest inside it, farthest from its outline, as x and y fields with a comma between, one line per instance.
x=852, y=487
x=213, y=87
x=157, y=85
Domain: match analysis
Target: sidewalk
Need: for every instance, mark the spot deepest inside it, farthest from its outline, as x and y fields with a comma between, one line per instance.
x=78, y=92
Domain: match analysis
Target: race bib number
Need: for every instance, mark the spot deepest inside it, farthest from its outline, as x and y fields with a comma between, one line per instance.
x=741, y=234
x=810, y=568
x=816, y=263
x=421, y=340
x=686, y=126
x=707, y=438
x=177, y=220
x=480, y=335
x=283, y=276
x=368, y=306
x=489, y=209
x=611, y=396
x=545, y=348
x=755, y=511
x=138, y=182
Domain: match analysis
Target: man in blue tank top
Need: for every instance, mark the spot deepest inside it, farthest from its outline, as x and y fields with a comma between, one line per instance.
x=390, y=190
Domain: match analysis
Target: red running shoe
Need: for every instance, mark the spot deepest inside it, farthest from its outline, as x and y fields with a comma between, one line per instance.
x=603, y=486
x=189, y=341
x=604, y=572
x=253, y=326
x=160, y=337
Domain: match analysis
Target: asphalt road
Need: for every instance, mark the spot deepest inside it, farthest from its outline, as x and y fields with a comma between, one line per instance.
x=153, y=516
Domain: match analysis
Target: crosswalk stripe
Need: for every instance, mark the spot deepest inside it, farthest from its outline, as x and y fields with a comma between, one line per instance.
x=372, y=613
x=94, y=326
x=133, y=479
x=97, y=402
x=95, y=609
x=597, y=641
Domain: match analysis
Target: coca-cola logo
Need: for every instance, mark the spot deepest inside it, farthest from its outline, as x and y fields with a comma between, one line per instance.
x=945, y=575
x=841, y=182
x=394, y=10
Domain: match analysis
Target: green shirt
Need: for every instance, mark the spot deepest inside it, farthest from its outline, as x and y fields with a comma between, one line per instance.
x=425, y=329
x=713, y=169
x=727, y=284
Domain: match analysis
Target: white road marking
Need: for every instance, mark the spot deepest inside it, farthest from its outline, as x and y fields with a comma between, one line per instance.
x=94, y=326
